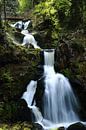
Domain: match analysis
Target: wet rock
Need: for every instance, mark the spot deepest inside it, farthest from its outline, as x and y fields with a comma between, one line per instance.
x=23, y=112
x=77, y=126
x=26, y=126
x=39, y=38
x=36, y=127
x=16, y=126
x=63, y=55
x=39, y=93
x=80, y=92
x=17, y=67
x=61, y=128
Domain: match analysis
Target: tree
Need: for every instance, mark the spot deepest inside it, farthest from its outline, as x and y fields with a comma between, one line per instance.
x=54, y=10
x=2, y=33
x=1, y=24
x=77, y=14
x=0, y=13
x=4, y=3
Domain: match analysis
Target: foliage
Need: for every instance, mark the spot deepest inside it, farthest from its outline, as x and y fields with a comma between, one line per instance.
x=78, y=47
x=77, y=17
x=67, y=72
x=6, y=76
x=50, y=9
x=24, y=5
x=16, y=126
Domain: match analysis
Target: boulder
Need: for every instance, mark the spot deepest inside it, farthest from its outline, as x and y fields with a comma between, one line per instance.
x=36, y=126
x=61, y=128
x=77, y=126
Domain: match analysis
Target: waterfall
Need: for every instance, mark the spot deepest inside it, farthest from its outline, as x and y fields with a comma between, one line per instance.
x=59, y=102
x=28, y=96
x=49, y=57
x=29, y=39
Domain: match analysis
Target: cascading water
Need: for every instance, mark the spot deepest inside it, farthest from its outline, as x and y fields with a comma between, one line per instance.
x=28, y=96
x=59, y=102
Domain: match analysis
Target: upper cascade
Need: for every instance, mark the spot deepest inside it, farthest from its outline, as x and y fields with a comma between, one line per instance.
x=28, y=39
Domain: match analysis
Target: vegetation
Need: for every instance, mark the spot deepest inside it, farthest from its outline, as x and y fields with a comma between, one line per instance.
x=54, y=11
x=24, y=5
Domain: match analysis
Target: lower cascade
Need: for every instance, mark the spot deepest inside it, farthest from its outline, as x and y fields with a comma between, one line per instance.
x=59, y=104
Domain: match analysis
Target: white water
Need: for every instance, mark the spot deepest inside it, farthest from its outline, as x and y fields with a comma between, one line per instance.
x=59, y=102
x=29, y=39
x=19, y=24
x=29, y=94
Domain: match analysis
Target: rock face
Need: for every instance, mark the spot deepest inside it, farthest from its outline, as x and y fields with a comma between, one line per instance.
x=69, y=62
x=20, y=65
x=17, y=67
x=61, y=128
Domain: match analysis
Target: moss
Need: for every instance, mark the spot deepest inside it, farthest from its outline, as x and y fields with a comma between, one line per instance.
x=54, y=129
x=4, y=127
x=1, y=108
x=67, y=72
x=18, y=65
x=5, y=76
x=27, y=129
x=83, y=70
x=78, y=47
x=26, y=126
x=16, y=126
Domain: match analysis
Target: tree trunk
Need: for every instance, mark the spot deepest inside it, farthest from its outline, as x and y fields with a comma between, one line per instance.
x=0, y=14
x=4, y=10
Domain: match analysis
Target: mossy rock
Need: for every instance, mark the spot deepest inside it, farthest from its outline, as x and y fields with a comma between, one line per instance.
x=27, y=129
x=18, y=65
x=54, y=129
x=4, y=127
x=77, y=126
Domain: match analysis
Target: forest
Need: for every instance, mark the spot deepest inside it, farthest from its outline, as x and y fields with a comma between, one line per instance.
x=29, y=30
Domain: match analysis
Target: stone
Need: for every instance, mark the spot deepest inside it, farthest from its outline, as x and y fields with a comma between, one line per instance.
x=77, y=126
x=61, y=128
x=37, y=127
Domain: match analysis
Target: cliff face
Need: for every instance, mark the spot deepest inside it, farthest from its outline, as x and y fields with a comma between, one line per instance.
x=71, y=61
x=17, y=67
